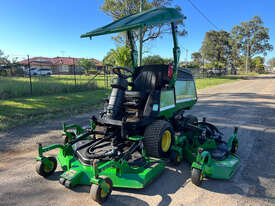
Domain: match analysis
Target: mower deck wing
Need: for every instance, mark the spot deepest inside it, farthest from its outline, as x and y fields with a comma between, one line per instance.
x=134, y=21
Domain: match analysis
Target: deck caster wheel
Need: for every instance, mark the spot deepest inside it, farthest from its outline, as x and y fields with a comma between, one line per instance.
x=196, y=176
x=175, y=157
x=44, y=170
x=62, y=180
x=68, y=184
x=101, y=192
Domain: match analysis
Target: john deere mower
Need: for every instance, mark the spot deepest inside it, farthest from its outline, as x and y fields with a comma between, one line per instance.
x=142, y=125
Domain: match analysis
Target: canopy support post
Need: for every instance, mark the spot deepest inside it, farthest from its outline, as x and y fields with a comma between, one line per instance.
x=134, y=53
x=176, y=54
x=140, y=36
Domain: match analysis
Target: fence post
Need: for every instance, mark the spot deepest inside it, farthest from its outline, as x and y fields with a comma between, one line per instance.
x=30, y=76
x=74, y=75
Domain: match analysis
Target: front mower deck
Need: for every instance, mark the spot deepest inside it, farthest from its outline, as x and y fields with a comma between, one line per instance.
x=121, y=173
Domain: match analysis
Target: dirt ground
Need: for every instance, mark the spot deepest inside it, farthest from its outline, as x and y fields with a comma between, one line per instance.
x=249, y=104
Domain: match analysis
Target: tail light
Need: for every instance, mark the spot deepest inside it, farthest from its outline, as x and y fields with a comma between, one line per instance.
x=170, y=70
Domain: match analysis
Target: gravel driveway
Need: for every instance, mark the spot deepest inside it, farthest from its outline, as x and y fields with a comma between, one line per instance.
x=249, y=104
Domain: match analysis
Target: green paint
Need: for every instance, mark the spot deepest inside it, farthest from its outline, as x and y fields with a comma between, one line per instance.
x=135, y=21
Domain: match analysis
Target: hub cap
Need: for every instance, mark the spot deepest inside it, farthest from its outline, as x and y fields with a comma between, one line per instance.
x=103, y=194
x=166, y=141
x=236, y=147
x=48, y=169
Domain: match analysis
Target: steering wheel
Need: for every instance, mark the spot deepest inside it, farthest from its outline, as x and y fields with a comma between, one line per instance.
x=117, y=71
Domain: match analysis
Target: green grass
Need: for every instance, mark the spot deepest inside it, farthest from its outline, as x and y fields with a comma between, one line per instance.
x=208, y=82
x=11, y=87
x=243, y=73
x=18, y=111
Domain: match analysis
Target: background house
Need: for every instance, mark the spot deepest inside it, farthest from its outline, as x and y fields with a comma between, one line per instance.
x=59, y=65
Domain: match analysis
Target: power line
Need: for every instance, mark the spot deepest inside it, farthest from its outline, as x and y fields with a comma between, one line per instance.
x=203, y=15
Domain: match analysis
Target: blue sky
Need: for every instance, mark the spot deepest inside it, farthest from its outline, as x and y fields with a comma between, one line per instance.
x=53, y=27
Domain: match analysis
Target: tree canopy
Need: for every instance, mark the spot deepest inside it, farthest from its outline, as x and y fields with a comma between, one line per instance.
x=252, y=38
x=197, y=59
x=86, y=64
x=121, y=56
x=216, y=46
x=271, y=62
x=155, y=59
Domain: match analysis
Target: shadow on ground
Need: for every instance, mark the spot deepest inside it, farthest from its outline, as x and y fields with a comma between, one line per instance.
x=253, y=113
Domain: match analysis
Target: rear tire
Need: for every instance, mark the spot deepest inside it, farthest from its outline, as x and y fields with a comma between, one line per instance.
x=158, y=139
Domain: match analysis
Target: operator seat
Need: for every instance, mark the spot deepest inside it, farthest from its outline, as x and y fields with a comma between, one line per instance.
x=147, y=79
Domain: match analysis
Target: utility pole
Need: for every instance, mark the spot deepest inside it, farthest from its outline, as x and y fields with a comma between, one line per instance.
x=140, y=35
x=30, y=75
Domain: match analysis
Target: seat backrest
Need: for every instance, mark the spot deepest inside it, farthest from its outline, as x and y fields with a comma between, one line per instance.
x=145, y=81
x=150, y=77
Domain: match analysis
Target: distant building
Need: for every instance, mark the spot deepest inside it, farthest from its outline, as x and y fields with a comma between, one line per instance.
x=59, y=65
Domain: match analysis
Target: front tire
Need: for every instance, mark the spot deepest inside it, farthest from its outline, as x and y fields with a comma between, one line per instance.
x=158, y=139
x=175, y=157
x=196, y=176
x=44, y=170
x=98, y=194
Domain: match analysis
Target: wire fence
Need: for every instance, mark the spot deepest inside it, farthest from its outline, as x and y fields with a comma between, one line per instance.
x=25, y=86
x=39, y=85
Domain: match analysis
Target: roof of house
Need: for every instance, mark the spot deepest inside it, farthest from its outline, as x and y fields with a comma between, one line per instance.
x=56, y=61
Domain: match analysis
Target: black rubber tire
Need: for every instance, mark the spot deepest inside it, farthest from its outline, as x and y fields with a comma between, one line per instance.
x=68, y=184
x=95, y=191
x=196, y=176
x=174, y=157
x=152, y=138
x=62, y=180
x=234, y=147
x=40, y=167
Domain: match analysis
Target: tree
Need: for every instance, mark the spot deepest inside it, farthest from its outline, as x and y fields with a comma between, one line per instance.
x=122, y=56
x=155, y=59
x=109, y=59
x=271, y=62
x=86, y=64
x=3, y=59
x=258, y=64
x=216, y=47
x=252, y=37
x=120, y=8
x=197, y=59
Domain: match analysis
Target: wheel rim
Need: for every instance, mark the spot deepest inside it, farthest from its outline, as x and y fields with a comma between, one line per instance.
x=48, y=169
x=236, y=147
x=166, y=141
x=104, y=194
